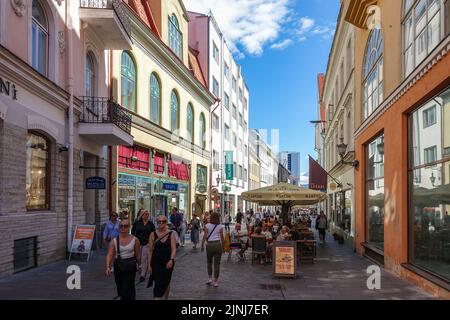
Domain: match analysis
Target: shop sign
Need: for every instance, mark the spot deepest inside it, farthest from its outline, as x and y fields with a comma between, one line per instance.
x=170, y=186
x=8, y=89
x=95, y=183
x=229, y=167
x=285, y=259
x=82, y=240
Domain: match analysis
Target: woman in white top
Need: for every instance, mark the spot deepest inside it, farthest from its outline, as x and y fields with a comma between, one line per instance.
x=214, y=237
x=127, y=261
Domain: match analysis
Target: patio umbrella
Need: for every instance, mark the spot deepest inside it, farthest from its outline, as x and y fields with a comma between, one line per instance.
x=285, y=195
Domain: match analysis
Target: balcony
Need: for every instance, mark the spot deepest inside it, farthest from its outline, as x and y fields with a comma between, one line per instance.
x=107, y=18
x=105, y=122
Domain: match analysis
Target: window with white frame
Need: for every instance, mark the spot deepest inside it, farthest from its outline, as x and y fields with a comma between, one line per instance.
x=215, y=87
x=373, y=74
x=226, y=101
x=175, y=37
x=234, y=84
x=215, y=122
x=39, y=38
x=215, y=53
x=422, y=30
x=429, y=117
x=226, y=71
x=227, y=132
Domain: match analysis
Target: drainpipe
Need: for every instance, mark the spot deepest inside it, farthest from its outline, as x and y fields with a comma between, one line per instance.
x=70, y=165
x=211, y=148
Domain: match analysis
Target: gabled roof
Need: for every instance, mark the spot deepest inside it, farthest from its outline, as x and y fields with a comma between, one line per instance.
x=142, y=10
x=194, y=65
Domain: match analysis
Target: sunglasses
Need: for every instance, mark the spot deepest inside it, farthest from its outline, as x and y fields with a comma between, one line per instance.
x=124, y=226
x=161, y=221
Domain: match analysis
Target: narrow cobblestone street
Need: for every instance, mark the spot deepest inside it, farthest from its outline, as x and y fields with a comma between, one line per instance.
x=338, y=273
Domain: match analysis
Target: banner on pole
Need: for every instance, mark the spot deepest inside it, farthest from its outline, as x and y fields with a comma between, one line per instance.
x=229, y=167
x=318, y=177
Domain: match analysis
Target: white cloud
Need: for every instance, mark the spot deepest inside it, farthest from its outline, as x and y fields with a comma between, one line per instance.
x=304, y=178
x=247, y=24
x=308, y=27
x=282, y=45
x=305, y=24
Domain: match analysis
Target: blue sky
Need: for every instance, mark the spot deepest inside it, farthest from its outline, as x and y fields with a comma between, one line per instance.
x=281, y=45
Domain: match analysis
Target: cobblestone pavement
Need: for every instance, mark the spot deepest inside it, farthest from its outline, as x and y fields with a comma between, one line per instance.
x=337, y=274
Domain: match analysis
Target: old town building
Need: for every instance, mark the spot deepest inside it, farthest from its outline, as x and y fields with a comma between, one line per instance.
x=160, y=82
x=54, y=127
x=402, y=137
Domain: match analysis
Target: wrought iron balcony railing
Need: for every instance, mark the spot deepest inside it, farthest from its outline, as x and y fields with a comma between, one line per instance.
x=115, y=5
x=103, y=110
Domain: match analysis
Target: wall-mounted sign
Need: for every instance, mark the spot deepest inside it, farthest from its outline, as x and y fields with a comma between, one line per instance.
x=285, y=259
x=8, y=89
x=170, y=186
x=95, y=183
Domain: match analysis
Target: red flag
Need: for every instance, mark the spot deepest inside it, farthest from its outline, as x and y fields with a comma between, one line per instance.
x=318, y=177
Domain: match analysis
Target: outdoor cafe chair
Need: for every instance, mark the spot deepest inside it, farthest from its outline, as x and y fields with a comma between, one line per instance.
x=259, y=248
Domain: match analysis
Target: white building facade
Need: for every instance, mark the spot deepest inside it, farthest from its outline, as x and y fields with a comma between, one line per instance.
x=229, y=117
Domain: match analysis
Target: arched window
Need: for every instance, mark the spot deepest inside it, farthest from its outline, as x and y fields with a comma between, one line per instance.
x=155, y=99
x=90, y=75
x=174, y=112
x=175, y=37
x=128, y=82
x=37, y=172
x=39, y=36
x=202, y=130
x=422, y=30
x=190, y=122
x=373, y=73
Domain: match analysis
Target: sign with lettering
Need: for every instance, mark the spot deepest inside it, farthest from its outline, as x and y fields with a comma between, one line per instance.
x=82, y=240
x=285, y=259
x=8, y=89
x=170, y=186
x=95, y=183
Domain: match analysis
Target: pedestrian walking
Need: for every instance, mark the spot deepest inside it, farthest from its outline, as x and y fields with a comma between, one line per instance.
x=111, y=229
x=124, y=250
x=239, y=216
x=195, y=230
x=321, y=225
x=226, y=221
x=183, y=229
x=176, y=219
x=142, y=229
x=214, y=248
x=161, y=258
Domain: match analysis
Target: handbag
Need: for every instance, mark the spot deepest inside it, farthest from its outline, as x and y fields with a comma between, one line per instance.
x=124, y=265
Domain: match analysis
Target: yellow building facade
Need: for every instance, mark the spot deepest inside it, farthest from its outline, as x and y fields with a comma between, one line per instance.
x=158, y=82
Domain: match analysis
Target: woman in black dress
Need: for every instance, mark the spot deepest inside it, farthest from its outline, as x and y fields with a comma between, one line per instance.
x=161, y=257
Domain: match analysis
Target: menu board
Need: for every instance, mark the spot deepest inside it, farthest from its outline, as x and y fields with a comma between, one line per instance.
x=285, y=259
x=82, y=240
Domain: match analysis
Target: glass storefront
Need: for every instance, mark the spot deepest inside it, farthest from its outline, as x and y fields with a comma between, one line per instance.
x=159, y=196
x=375, y=193
x=347, y=223
x=429, y=186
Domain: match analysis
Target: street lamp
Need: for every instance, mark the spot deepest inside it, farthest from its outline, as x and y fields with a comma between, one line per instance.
x=380, y=147
x=342, y=149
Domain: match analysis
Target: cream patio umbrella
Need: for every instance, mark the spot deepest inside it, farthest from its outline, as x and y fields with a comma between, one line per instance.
x=285, y=195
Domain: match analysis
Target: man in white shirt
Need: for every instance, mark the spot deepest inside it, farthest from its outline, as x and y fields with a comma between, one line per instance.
x=239, y=239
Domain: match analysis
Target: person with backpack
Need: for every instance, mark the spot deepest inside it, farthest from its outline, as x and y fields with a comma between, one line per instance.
x=214, y=237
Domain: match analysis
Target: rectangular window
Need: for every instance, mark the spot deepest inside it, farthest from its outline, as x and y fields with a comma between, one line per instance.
x=215, y=122
x=234, y=112
x=227, y=132
x=37, y=172
x=202, y=177
x=240, y=172
x=430, y=154
x=429, y=117
x=245, y=175
x=215, y=87
x=240, y=119
x=234, y=140
x=25, y=254
x=240, y=145
x=245, y=126
x=215, y=53
x=246, y=150
x=429, y=182
x=226, y=101
x=226, y=71
x=158, y=163
x=245, y=103
x=215, y=160
x=375, y=193
x=234, y=170
x=234, y=84
x=240, y=94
